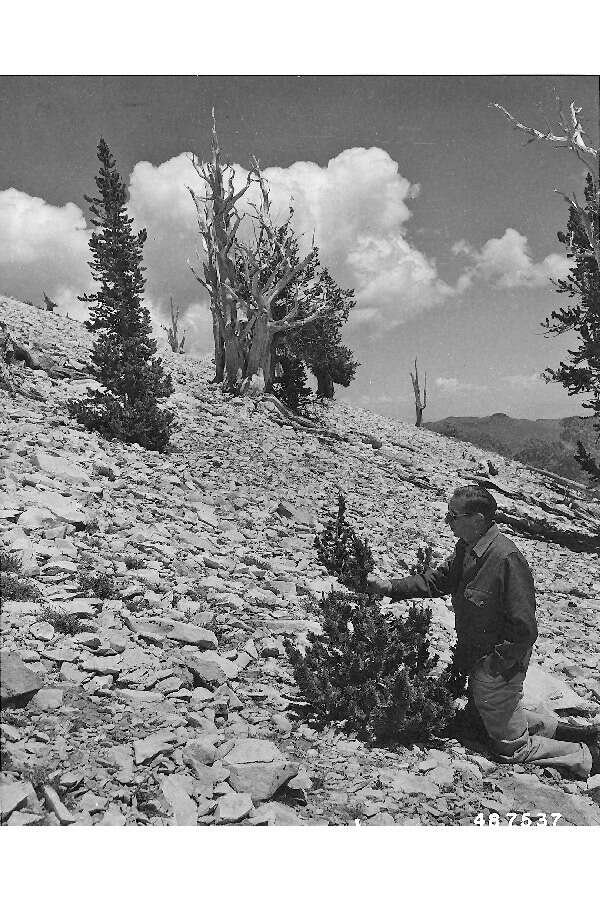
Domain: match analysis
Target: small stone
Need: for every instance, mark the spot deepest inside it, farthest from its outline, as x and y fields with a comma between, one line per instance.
x=233, y=807
x=49, y=698
x=258, y=767
x=113, y=817
x=14, y=796
x=101, y=665
x=210, y=668
x=58, y=466
x=43, y=631
x=90, y=802
x=55, y=804
x=175, y=793
x=300, y=782
x=193, y=634
x=281, y=723
x=153, y=745
x=274, y=813
x=201, y=750
x=200, y=697
x=18, y=683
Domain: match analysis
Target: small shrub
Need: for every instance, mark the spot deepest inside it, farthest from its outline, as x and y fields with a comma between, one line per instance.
x=101, y=585
x=9, y=562
x=342, y=552
x=372, y=674
x=65, y=623
x=131, y=561
x=13, y=587
x=136, y=604
x=424, y=557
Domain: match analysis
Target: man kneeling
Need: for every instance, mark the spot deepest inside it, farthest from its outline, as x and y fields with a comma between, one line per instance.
x=493, y=596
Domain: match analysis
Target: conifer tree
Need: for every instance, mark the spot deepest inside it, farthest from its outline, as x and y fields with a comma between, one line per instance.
x=581, y=373
x=373, y=674
x=124, y=352
x=343, y=552
x=290, y=386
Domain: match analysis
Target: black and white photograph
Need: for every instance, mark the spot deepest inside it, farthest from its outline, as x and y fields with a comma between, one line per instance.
x=299, y=449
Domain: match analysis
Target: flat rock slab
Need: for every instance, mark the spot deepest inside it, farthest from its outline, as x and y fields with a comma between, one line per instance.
x=201, y=750
x=59, y=466
x=18, y=683
x=405, y=783
x=296, y=513
x=49, y=698
x=61, y=508
x=101, y=665
x=233, y=807
x=274, y=813
x=149, y=747
x=193, y=634
x=210, y=668
x=174, y=791
x=258, y=767
x=543, y=689
x=291, y=626
x=540, y=798
x=14, y=796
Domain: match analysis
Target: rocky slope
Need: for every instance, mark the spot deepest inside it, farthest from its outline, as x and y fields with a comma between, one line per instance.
x=171, y=703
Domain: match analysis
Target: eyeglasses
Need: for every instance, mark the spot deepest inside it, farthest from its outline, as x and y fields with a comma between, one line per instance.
x=451, y=515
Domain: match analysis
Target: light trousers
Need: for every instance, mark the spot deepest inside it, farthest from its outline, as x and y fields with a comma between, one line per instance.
x=519, y=735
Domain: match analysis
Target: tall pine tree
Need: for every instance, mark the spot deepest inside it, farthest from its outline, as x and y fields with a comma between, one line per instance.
x=581, y=374
x=127, y=409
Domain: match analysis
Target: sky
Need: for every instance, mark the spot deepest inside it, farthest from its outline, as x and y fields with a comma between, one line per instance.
x=420, y=196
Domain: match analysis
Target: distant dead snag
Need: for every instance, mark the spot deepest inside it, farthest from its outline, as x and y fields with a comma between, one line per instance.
x=420, y=404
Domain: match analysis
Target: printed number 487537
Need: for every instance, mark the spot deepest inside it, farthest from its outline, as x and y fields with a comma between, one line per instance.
x=525, y=818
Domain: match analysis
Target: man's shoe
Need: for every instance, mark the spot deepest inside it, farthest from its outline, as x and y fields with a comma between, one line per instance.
x=578, y=734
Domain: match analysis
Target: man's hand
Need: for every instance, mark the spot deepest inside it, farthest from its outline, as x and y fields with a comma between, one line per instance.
x=377, y=585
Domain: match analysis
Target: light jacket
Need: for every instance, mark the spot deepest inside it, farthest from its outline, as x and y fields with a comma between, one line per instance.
x=493, y=597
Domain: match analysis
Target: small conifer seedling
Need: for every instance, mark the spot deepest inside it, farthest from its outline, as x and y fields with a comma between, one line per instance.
x=342, y=552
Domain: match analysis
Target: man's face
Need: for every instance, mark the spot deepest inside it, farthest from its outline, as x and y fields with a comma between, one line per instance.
x=467, y=526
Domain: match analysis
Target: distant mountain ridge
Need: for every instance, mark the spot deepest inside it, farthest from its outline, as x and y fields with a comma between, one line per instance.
x=544, y=443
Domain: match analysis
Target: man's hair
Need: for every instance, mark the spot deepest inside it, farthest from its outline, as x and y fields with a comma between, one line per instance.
x=477, y=500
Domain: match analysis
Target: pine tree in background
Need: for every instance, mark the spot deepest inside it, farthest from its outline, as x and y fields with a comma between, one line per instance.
x=290, y=386
x=342, y=551
x=128, y=408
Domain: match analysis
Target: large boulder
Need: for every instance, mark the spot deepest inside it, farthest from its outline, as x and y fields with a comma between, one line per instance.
x=258, y=768
x=18, y=683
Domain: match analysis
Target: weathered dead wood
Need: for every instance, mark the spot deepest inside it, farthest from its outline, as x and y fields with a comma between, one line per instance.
x=570, y=136
x=420, y=404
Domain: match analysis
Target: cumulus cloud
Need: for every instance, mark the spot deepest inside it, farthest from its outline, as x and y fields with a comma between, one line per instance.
x=454, y=386
x=43, y=248
x=526, y=382
x=506, y=262
x=357, y=209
